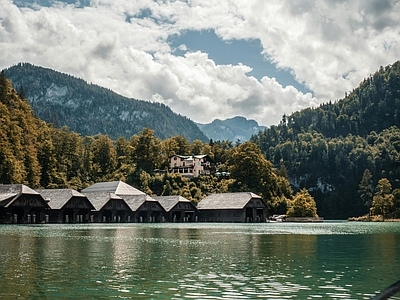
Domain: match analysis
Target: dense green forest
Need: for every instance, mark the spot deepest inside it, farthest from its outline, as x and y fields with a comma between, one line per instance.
x=328, y=149
x=88, y=109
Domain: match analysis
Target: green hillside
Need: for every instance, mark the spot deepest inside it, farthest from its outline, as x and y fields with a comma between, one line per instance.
x=88, y=109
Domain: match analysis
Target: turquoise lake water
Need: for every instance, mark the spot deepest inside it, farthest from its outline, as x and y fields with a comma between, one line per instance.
x=329, y=260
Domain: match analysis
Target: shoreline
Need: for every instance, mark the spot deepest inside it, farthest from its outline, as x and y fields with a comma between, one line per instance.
x=367, y=218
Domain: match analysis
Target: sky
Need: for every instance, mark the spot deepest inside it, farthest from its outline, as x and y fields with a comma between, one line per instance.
x=208, y=59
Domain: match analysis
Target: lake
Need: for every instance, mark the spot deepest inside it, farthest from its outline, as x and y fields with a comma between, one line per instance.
x=329, y=260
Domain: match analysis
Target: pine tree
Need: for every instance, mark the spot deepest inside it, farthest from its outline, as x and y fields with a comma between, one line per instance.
x=366, y=190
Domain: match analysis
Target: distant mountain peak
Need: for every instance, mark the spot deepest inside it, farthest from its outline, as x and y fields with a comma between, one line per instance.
x=233, y=129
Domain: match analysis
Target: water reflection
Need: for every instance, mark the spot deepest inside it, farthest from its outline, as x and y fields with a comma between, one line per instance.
x=198, y=261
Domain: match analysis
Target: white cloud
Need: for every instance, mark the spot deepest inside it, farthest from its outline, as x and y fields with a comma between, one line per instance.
x=330, y=46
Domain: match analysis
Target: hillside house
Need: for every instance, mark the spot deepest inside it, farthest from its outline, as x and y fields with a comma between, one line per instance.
x=191, y=166
x=232, y=207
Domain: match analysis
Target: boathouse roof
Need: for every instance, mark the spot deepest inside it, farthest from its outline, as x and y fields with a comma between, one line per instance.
x=116, y=187
x=10, y=192
x=57, y=198
x=227, y=200
x=169, y=202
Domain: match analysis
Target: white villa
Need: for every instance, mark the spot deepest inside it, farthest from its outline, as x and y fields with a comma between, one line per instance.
x=191, y=166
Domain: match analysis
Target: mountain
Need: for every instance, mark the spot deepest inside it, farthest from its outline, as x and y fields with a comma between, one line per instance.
x=233, y=129
x=329, y=149
x=88, y=109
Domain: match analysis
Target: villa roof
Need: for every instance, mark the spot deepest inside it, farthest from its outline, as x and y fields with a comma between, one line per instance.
x=190, y=157
x=169, y=202
x=227, y=200
x=116, y=187
x=57, y=198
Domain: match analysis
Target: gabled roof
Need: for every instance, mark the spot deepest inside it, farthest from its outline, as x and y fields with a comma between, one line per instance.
x=10, y=192
x=227, y=200
x=135, y=201
x=190, y=157
x=200, y=156
x=116, y=187
x=169, y=202
x=57, y=198
x=99, y=199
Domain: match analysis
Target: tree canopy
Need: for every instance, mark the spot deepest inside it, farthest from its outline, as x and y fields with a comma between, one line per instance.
x=302, y=205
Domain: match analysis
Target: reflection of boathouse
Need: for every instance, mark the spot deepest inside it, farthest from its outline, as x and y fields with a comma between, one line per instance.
x=21, y=204
x=67, y=206
x=178, y=208
x=232, y=207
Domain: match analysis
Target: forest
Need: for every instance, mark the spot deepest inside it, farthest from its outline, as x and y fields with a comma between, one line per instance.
x=330, y=148
x=345, y=155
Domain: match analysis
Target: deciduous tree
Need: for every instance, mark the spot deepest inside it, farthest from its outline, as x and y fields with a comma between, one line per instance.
x=383, y=199
x=302, y=205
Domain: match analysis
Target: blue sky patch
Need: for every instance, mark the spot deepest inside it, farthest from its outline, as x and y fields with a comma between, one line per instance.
x=49, y=3
x=247, y=52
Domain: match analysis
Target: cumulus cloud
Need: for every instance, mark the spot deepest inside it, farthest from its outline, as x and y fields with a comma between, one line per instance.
x=329, y=46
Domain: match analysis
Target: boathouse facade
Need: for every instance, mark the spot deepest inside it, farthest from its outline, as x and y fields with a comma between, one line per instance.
x=178, y=208
x=144, y=208
x=119, y=202
x=21, y=204
x=232, y=207
x=67, y=206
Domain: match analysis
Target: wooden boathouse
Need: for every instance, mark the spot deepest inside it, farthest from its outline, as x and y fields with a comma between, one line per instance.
x=232, y=207
x=67, y=206
x=108, y=207
x=117, y=201
x=21, y=204
x=144, y=208
x=178, y=208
